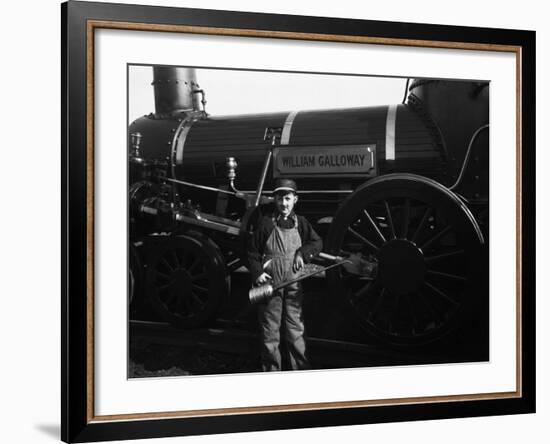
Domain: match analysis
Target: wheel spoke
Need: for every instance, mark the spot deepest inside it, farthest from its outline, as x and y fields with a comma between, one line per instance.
x=171, y=296
x=377, y=304
x=194, y=265
x=164, y=287
x=435, y=237
x=362, y=292
x=447, y=275
x=183, y=258
x=443, y=255
x=363, y=239
x=175, y=259
x=374, y=225
x=441, y=293
x=406, y=218
x=186, y=303
x=163, y=275
x=369, y=295
x=166, y=264
x=198, y=277
x=392, y=313
x=198, y=301
x=178, y=305
x=414, y=319
x=389, y=218
x=198, y=287
x=422, y=224
x=434, y=313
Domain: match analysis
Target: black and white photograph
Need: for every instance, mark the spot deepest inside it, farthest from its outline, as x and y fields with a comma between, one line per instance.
x=275, y=222
x=285, y=222
x=304, y=221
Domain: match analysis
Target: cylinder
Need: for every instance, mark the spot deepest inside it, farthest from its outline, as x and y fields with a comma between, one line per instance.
x=199, y=149
x=175, y=89
x=210, y=141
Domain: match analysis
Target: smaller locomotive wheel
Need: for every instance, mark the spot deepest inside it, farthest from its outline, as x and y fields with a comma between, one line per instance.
x=187, y=279
x=427, y=246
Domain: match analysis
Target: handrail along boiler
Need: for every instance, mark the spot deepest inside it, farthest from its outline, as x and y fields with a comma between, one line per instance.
x=403, y=186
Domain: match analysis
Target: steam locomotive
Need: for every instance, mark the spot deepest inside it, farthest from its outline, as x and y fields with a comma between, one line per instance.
x=404, y=186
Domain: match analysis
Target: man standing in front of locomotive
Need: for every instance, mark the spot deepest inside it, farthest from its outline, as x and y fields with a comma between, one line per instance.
x=279, y=247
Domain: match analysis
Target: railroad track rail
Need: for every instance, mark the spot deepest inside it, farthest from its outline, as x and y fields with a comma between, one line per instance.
x=325, y=353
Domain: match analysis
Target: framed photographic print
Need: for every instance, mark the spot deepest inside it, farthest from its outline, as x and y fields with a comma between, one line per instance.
x=260, y=205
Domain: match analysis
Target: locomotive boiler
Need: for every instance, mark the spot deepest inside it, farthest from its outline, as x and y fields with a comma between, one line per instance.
x=403, y=186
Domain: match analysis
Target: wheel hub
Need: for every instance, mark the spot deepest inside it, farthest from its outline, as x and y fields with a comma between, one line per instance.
x=182, y=280
x=401, y=266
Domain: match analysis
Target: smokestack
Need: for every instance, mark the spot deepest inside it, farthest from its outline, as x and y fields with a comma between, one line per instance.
x=174, y=89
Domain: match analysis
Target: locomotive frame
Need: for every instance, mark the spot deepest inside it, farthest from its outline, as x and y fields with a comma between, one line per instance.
x=79, y=422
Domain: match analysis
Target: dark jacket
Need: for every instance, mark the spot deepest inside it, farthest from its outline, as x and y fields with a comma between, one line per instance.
x=312, y=244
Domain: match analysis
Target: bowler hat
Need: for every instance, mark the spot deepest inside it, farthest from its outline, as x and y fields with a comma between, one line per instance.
x=285, y=185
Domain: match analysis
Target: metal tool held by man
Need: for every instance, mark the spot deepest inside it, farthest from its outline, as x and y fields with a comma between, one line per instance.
x=353, y=264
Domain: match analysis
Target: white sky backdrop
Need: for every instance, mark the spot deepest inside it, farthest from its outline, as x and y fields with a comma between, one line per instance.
x=242, y=92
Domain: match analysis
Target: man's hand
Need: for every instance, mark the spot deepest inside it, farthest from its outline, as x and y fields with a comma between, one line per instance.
x=263, y=278
x=298, y=262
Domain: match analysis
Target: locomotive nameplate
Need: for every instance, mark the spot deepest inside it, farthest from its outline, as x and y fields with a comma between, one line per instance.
x=326, y=161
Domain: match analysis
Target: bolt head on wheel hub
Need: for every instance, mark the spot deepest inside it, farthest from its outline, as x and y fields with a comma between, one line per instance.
x=401, y=266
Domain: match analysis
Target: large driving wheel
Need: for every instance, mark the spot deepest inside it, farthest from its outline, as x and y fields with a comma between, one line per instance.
x=429, y=251
x=187, y=279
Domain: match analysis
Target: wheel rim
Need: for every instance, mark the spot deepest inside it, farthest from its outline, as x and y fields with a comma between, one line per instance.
x=187, y=279
x=425, y=242
x=135, y=275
